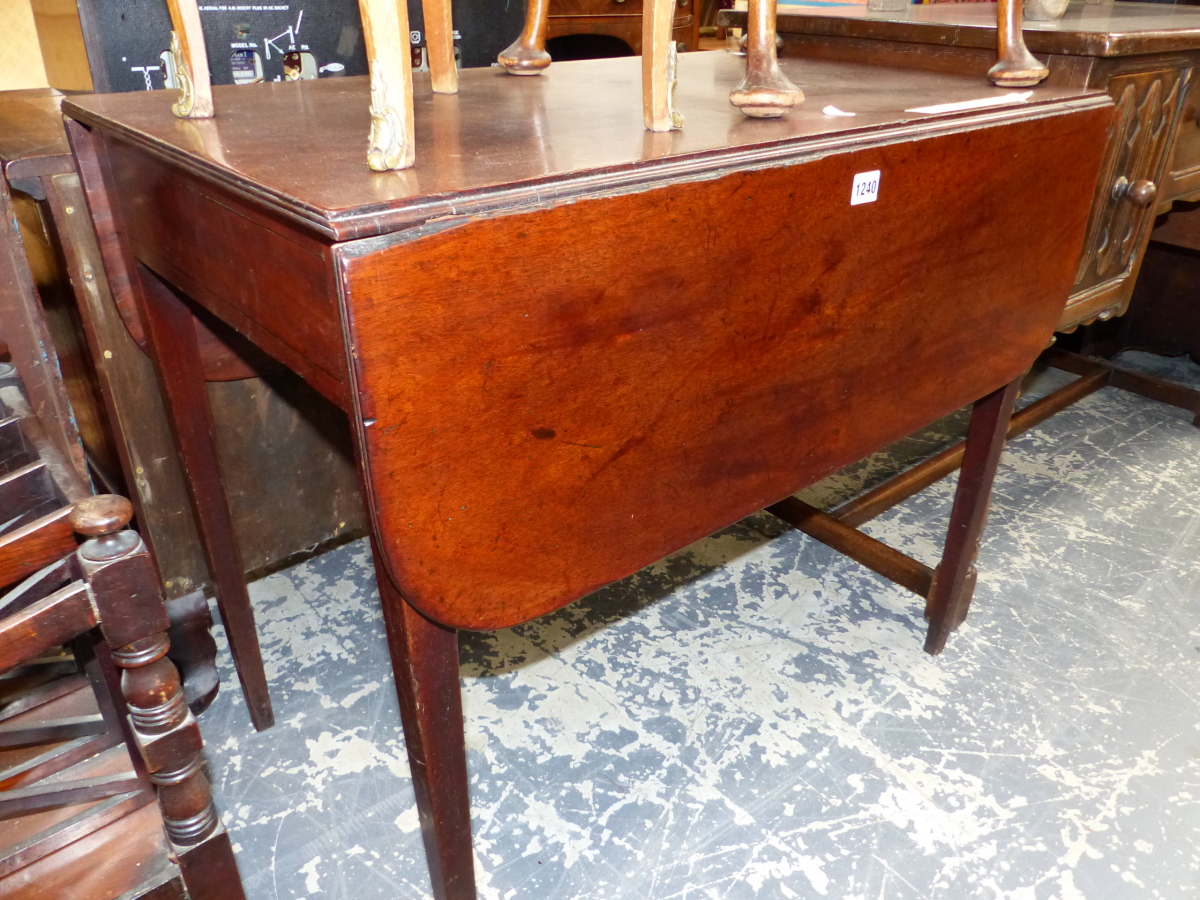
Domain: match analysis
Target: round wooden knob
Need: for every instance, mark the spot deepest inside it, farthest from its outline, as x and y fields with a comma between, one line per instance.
x=1142, y=193
x=100, y=515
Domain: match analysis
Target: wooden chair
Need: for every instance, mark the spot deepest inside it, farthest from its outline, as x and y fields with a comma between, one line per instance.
x=102, y=788
x=765, y=92
x=102, y=792
x=385, y=31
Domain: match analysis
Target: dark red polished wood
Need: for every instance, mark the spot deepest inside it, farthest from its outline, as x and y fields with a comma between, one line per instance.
x=551, y=380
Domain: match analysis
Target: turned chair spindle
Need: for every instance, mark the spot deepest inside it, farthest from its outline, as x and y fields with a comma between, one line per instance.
x=122, y=575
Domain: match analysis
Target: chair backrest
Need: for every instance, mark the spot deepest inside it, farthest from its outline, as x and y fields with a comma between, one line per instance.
x=36, y=488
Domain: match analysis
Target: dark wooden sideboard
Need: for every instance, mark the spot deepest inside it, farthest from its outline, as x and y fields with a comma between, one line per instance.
x=1142, y=54
x=548, y=388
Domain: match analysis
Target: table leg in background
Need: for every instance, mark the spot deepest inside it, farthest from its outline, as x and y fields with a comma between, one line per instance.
x=425, y=660
x=171, y=332
x=954, y=580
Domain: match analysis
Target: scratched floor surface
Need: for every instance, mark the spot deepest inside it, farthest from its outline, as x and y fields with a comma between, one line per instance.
x=753, y=717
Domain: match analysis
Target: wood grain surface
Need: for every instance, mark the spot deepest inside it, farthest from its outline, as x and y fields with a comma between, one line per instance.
x=536, y=429
x=285, y=147
x=230, y=257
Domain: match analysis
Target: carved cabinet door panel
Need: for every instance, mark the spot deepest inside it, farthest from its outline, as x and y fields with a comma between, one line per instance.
x=1123, y=208
x=1182, y=180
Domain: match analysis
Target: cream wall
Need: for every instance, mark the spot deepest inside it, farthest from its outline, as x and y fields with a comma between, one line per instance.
x=20, y=56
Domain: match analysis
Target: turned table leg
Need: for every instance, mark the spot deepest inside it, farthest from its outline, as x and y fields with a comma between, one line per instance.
x=425, y=661
x=954, y=580
x=171, y=332
x=765, y=92
x=527, y=54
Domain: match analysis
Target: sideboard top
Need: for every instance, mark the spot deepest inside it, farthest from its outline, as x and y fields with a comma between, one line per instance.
x=1087, y=29
x=299, y=148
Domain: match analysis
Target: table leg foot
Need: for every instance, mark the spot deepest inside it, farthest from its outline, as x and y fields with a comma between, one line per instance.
x=954, y=580
x=425, y=660
x=527, y=54
x=765, y=92
x=1017, y=66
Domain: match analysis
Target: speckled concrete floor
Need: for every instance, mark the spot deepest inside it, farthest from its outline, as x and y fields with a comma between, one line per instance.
x=753, y=717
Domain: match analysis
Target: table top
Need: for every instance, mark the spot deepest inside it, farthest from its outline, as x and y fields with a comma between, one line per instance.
x=32, y=141
x=1105, y=29
x=502, y=142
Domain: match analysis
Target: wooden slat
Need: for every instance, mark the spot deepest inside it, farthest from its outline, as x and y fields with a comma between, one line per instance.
x=57, y=664
x=41, y=695
x=875, y=555
x=56, y=759
x=27, y=488
x=14, y=451
x=70, y=830
x=22, y=801
x=50, y=731
x=47, y=623
x=38, y=586
x=66, y=475
x=32, y=546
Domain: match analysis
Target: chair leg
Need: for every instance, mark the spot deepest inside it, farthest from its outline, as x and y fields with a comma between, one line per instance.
x=425, y=661
x=439, y=41
x=954, y=580
x=527, y=54
x=659, y=62
x=390, y=144
x=193, y=649
x=765, y=92
x=171, y=331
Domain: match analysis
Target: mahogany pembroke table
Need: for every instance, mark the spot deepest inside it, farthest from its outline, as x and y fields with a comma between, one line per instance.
x=550, y=381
